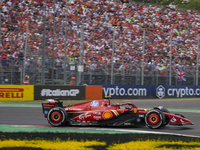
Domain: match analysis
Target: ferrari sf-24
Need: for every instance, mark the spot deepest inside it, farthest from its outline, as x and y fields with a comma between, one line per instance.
x=102, y=113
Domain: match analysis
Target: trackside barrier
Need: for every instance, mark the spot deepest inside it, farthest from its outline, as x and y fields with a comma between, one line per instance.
x=149, y=91
x=62, y=92
x=16, y=92
x=68, y=92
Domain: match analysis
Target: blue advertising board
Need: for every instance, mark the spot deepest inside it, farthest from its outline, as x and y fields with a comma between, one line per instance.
x=180, y=91
x=149, y=91
x=126, y=91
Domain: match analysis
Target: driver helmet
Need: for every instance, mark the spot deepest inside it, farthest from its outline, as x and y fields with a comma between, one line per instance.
x=118, y=105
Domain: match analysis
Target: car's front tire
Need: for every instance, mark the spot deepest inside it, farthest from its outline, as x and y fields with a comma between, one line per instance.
x=166, y=118
x=154, y=119
x=57, y=116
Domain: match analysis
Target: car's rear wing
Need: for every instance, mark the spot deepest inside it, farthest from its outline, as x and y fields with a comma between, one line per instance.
x=51, y=103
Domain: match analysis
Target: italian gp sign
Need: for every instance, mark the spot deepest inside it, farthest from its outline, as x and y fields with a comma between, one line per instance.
x=61, y=92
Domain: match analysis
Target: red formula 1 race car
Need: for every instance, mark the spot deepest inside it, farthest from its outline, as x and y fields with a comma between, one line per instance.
x=102, y=113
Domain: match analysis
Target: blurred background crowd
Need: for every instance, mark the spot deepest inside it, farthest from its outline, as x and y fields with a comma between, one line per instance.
x=99, y=17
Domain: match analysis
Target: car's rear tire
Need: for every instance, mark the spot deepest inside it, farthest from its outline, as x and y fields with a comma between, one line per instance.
x=57, y=116
x=154, y=119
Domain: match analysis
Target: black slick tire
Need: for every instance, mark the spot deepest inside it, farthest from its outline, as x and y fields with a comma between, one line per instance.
x=154, y=119
x=57, y=116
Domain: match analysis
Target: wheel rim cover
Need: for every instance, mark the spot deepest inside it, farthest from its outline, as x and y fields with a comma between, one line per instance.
x=153, y=119
x=56, y=117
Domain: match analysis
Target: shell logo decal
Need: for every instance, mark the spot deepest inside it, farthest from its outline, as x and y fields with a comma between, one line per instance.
x=107, y=115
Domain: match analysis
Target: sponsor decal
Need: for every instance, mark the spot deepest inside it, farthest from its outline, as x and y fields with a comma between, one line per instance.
x=141, y=116
x=11, y=93
x=11, y=90
x=135, y=110
x=70, y=105
x=115, y=112
x=143, y=112
x=116, y=91
x=46, y=112
x=97, y=117
x=127, y=124
x=73, y=109
x=138, y=119
x=107, y=115
x=94, y=103
x=173, y=120
x=59, y=92
x=84, y=116
x=48, y=105
x=97, y=113
x=160, y=91
x=181, y=92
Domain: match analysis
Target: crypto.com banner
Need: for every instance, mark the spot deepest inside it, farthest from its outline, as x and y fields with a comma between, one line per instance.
x=176, y=91
x=60, y=92
x=126, y=91
x=149, y=91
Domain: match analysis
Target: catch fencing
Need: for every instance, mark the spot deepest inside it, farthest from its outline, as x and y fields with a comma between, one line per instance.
x=129, y=74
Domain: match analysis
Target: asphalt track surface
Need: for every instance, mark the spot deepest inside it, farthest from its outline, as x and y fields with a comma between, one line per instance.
x=31, y=114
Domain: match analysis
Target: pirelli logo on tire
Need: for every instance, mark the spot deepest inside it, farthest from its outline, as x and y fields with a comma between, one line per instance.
x=16, y=92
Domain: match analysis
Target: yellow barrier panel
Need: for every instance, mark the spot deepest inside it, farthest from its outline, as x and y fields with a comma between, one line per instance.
x=16, y=92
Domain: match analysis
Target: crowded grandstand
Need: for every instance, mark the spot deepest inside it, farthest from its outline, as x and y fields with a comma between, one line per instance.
x=100, y=19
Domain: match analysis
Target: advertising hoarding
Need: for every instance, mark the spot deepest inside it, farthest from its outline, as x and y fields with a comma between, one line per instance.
x=60, y=92
x=149, y=91
x=16, y=92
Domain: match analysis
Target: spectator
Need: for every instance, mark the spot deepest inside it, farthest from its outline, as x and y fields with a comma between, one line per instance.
x=4, y=60
x=59, y=63
x=73, y=82
x=100, y=17
x=125, y=1
x=39, y=63
x=26, y=80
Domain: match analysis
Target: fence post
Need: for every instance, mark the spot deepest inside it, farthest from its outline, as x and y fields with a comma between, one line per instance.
x=113, y=46
x=142, y=83
x=197, y=70
x=27, y=28
x=80, y=64
x=65, y=46
x=170, y=69
x=43, y=49
x=0, y=22
x=52, y=71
